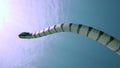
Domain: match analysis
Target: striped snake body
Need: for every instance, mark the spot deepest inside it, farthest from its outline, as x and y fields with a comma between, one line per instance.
x=100, y=36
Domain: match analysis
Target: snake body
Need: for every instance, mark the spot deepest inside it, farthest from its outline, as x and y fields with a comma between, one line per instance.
x=98, y=35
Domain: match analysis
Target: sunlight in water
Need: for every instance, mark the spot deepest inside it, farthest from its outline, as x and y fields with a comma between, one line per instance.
x=4, y=12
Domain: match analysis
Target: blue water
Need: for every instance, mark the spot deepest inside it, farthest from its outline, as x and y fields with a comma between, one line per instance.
x=68, y=50
x=60, y=50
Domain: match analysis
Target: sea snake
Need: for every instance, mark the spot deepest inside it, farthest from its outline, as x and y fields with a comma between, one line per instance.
x=98, y=35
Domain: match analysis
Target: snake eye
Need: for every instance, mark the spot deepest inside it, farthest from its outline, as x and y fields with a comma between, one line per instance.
x=24, y=33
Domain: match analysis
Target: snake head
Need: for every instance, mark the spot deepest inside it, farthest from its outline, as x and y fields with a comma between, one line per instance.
x=25, y=35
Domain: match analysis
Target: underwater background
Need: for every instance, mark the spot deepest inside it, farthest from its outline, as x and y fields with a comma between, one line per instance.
x=60, y=50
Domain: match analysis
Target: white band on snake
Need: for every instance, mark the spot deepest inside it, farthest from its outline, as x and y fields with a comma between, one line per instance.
x=100, y=36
